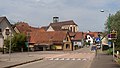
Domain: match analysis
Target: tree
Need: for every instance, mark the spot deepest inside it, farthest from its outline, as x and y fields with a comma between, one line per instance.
x=17, y=42
x=114, y=23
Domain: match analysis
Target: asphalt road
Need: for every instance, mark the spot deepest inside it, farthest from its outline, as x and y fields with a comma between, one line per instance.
x=76, y=59
x=58, y=64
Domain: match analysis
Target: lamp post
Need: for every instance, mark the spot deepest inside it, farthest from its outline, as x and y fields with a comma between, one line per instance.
x=10, y=46
x=108, y=24
x=9, y=33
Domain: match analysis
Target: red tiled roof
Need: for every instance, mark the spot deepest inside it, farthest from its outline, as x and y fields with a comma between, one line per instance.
x=47, y=37
x=57, y=26
x=78, y=36
x=24, y=28
x=93, y=34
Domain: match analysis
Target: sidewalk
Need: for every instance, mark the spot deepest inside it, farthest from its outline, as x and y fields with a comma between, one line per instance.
x=17, y=59
x=104, y=61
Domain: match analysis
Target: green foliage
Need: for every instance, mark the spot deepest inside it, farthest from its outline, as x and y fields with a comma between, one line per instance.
x=114, y=24
x=109, y=51
x=118, y=60
x=17, y=42
x=53, y=47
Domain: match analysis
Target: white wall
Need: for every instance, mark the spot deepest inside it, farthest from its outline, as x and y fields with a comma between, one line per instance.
x=50, y=29
x=77, y=43
x=89, y=38
x=4, y=25
x=1, y=41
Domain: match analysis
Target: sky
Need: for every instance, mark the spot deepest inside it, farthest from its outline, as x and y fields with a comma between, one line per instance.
x=85, y=13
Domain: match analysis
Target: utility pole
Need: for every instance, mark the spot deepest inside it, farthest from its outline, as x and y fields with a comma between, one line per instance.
x=10, y=46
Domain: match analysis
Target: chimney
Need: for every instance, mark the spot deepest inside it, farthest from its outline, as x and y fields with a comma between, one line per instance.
x=55, y=19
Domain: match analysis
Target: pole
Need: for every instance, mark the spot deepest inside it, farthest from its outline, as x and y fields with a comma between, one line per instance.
x=108, y=24
x=113, y=49
x=10, y=47
x=28, y=35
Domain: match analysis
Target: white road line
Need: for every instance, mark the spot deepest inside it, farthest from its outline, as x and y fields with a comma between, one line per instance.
x=67, y=58
x=62, y=59
x=56, y=59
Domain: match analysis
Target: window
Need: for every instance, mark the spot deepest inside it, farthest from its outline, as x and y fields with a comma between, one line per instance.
x=7, y=32
x=71, y=29
x=67, y=46
x=0, y=30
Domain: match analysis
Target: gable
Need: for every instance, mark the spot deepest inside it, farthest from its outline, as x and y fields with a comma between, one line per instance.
x=50, y=29
x=5, y=25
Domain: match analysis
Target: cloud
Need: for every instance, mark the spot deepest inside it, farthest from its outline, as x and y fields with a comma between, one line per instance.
x=86, y=13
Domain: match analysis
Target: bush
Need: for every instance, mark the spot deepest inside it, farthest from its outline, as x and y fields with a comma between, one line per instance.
x=1, y=49
x=118, y=61
x=109, y=51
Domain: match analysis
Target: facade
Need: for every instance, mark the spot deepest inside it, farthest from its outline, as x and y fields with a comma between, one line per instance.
x=69, y=26
x=6, y=30
x=90, y=37
x=77, y=39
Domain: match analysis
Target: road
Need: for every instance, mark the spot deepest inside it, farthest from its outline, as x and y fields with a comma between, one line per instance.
x=81, y=58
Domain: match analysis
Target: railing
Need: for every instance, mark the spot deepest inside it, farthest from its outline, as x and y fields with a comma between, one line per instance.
x=117, y=56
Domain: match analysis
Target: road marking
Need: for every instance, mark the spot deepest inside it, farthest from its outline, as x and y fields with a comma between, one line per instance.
x=80, y=59
x=73, y=59
x=62, y=59
x=67, y=58
x=84, y=59
x=56, y=59
x=51, y=59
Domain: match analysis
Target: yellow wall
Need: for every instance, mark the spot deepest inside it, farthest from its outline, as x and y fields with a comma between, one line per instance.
x=58, y=46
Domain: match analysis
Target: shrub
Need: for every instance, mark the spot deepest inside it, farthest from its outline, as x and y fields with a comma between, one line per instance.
x=109, y=51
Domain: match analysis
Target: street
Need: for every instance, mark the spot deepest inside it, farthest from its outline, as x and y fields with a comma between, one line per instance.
x=81, y=58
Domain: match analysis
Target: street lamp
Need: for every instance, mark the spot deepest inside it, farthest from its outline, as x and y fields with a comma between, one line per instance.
x=108, y=23
x=9, y=33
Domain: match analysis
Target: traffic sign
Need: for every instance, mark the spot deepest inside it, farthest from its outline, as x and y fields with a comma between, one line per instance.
x=97, y=39
x=113, y=34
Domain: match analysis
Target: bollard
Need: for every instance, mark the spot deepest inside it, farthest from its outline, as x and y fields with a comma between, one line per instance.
x=117, y=54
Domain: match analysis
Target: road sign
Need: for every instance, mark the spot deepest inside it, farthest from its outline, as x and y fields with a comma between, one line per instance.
x=97, y=39
x=113, y=34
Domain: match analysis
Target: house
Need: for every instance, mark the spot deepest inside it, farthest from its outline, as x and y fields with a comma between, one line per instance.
x=69, y=25
x=6, y=30
x=90, y=37
x=22, y=27
x=78, y=39
x=58, y=40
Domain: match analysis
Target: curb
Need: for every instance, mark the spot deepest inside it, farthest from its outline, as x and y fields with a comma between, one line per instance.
x=23, y=63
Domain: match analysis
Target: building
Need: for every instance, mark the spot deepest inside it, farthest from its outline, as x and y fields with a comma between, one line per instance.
x=58, y=40
x=69, y=26
x=6, y=30
x=22, y=27
x=78, y=39
x=90, y=37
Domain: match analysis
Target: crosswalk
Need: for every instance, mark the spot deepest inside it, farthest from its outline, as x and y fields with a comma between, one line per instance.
x=68, y=59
